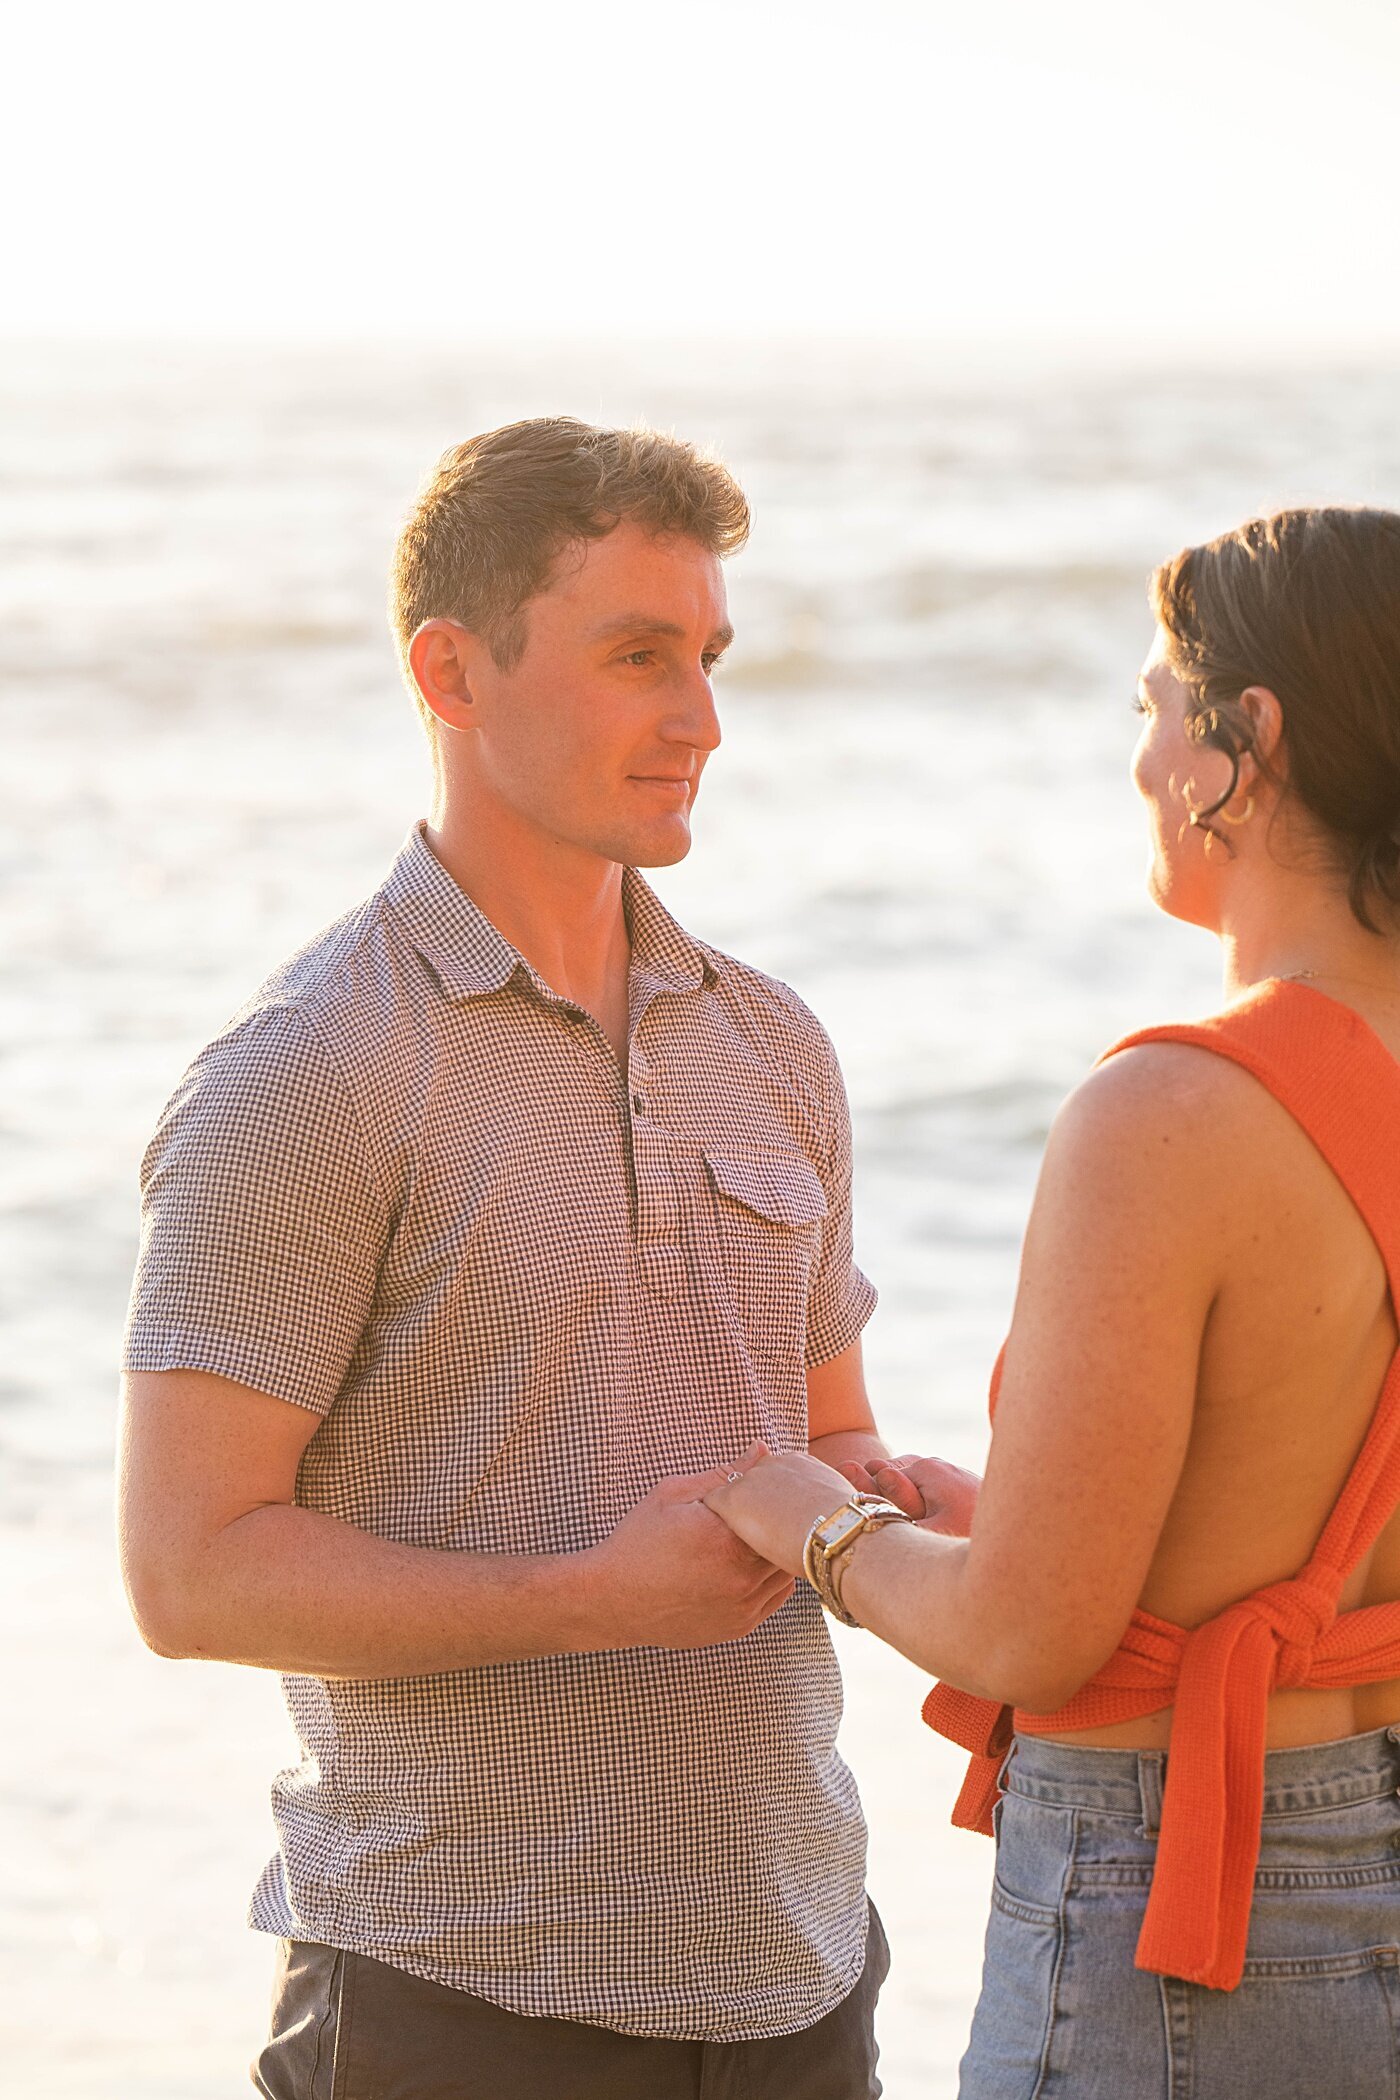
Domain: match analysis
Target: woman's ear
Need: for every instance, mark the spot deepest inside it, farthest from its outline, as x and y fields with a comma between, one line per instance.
x=1264, y=753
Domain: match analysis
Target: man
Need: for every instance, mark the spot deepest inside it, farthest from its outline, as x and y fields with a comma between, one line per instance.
x=501, y=1216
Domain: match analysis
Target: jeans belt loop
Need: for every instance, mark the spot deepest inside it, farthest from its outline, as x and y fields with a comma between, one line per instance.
x=1005, y=1766
x=1151, y=1778
x=1392, y=1736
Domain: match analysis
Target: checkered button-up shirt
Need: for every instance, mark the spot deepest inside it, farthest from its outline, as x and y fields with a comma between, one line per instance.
x=407, y=1188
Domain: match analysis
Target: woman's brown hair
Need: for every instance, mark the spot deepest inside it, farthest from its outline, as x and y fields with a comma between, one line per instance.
x=1306, y=603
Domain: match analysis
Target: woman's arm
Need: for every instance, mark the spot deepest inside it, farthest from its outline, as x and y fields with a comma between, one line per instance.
x=1126, y=1245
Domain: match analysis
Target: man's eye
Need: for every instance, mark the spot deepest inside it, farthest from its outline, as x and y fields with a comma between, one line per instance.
x=711, y=663
x=638, y=656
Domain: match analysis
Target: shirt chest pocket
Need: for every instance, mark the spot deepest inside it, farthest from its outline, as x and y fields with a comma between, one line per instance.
x=769, y=1209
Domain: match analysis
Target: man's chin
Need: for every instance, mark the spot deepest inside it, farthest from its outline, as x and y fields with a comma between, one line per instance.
x=659, y=848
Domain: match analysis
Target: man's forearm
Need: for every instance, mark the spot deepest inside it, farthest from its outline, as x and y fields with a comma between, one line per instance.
x=849, y=1447
x=292, y=1589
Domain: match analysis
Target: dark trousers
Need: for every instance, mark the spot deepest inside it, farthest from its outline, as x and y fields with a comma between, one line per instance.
x=345, y=2027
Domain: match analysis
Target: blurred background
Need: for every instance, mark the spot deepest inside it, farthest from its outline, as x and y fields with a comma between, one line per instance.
x=988, y=316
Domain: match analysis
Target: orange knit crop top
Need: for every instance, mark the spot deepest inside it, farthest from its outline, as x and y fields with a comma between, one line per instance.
x=1341, y=1085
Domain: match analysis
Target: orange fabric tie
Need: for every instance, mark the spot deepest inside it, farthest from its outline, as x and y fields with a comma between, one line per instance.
x=1197, y=1919
x=1219, y=1676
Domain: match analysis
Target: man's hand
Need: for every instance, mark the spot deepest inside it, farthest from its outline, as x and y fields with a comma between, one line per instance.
x=939, y=1496
x=672, y=1575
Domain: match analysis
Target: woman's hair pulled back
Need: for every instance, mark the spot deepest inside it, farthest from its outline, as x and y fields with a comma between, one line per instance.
x=1307, y=603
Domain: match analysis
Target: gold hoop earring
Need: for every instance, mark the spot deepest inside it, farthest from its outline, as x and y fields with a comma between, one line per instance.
x=1245, y=814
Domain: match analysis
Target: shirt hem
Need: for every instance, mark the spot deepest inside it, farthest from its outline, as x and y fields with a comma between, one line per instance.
x=836, y=1340
x=152, y=1353
x=562, y=2010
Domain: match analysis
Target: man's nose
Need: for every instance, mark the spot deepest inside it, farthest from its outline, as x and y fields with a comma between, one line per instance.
x=693, y=719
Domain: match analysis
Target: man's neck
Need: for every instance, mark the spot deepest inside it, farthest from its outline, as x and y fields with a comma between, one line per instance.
x=560, y=906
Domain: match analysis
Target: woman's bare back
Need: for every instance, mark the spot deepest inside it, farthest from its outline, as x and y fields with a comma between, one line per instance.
x=1295, y=1351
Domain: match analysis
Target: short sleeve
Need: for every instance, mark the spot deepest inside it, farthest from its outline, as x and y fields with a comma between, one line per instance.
x=262, y=1223
x=841, y=1298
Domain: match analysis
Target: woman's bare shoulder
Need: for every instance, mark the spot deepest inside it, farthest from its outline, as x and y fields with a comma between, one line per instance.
x=1172, y=1089
x=1175, y=1120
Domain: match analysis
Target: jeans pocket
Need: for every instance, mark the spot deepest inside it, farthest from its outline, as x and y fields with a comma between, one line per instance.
x=299, y=2059
x=1320, y=2029
x=1006, y=2051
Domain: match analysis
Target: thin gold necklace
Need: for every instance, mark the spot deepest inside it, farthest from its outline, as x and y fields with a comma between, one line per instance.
x=1367, y=984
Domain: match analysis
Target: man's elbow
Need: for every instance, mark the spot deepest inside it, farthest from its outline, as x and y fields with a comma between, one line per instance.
x=165, y=1606
x=164, y=1642
x=162, y=1632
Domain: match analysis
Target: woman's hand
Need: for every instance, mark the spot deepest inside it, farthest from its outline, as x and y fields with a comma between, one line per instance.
x=772, y=1502
x=948, y=1494
x=938, y=1496
x=888, y=1477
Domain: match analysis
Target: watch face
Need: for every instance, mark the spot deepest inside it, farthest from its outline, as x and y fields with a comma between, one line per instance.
x=842, y=1526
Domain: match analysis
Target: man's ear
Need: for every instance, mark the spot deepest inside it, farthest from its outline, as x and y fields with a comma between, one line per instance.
x=441, y=657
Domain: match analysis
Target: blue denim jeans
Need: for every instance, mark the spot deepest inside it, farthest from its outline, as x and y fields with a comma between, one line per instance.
x=1063, y=2011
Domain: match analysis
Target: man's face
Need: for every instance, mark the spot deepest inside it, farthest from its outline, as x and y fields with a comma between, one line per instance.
x=598, y=736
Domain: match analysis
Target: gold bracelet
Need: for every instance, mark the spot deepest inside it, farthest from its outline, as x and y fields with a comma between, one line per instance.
x=832, y=1539
x=817, y=1568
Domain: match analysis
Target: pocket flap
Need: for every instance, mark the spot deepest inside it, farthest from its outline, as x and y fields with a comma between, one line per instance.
x=778, y=1185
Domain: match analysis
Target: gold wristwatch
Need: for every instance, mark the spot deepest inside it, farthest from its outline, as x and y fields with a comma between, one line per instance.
x=831, y=1539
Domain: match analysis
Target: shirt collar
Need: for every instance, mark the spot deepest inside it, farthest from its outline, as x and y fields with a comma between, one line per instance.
x=471, y=957
x=659, y=946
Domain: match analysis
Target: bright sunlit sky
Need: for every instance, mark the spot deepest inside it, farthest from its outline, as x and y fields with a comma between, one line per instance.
x=1213, y=174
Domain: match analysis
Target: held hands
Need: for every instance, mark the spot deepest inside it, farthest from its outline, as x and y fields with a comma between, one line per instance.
x=707, y=1557
x=939, y=1496
x=671, y=1575
x=772, y=1501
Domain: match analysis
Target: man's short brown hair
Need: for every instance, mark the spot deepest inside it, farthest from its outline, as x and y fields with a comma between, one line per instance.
x=499, y=510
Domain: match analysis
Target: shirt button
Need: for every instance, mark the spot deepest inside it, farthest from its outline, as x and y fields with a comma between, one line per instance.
x=638, y=1102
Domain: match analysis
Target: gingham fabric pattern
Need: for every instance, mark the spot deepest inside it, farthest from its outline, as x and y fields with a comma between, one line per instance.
x=408, y=1188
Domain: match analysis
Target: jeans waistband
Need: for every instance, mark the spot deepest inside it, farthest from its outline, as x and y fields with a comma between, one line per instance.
x=1130, y=1782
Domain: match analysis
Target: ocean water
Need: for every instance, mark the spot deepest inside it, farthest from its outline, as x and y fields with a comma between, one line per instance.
x=920, y=816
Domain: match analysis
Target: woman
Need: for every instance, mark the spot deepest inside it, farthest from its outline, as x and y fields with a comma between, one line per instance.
x=1172, y=1633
